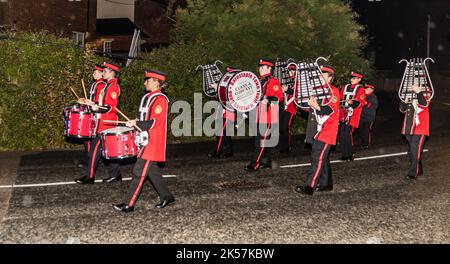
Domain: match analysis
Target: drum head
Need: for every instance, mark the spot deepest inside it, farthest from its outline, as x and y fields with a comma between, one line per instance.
x=117, y=130
x=242, y=90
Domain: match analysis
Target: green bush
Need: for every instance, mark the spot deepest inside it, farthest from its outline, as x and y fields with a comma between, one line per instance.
x=36, y=72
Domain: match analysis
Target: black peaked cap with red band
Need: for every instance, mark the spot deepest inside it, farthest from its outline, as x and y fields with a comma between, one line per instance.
x=98, y=67
x=111, y=66
x=156, y=74
x=327, y=68
x=357, y=74
x=266, y=62
x=369, y=86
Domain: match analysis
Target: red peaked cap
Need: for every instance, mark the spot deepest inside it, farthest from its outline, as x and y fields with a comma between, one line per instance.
x=292, y=67
x=111, y=66
x=98, y=67
x=327, y=68
x=231, y=69
x=267, y=62
x=369, y=86
x=155, y=74
x=358, y=75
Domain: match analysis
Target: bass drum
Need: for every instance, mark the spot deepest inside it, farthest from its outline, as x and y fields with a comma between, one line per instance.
x=239, y=90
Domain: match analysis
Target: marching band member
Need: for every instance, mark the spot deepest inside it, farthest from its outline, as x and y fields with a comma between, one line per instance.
x=416, y=129
x=224, y=141
x=368, y=114
x=153, y=122
x=108, y=99
x=288, y=112
x=321, y=134
x=272, y=95
x=353, y=99
x=94, y=92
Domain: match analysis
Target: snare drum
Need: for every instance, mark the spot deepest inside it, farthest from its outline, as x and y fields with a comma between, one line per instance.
x=119, y=143
x=239, y=90
x=79, y=122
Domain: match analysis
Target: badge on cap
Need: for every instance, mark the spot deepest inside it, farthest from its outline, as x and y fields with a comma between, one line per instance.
x=362, y=97
x=158, y=109
x=334, y=99
x=114, y=95
x=276, y=87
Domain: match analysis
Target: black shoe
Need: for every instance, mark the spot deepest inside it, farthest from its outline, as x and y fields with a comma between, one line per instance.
x=324, y=188
x=123, y=208
x=304, y=190
x=347, y=158
x=85, y=180
x=227, y=155
x=165, y=203
x=250, y=168
x=113, y=179
x=214, y=156
x=409, y=177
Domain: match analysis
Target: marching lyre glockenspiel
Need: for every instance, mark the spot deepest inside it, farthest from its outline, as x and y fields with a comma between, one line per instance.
x=416, y=73
x=211, y=75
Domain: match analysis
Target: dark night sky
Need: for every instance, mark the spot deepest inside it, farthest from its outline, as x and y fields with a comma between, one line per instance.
x=398, y=29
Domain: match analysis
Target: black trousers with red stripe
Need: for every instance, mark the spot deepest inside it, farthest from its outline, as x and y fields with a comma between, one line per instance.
x=416, y=143
x=364, y=133
x=286, y=120
x=346, y=141
x=142, y=170
x=320, y=173
x=261, y=155
x=95, y=154
x=224, y=142
x=87, y=147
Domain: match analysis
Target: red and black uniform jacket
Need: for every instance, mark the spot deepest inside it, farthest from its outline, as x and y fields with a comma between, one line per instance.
x=289, y=101
x=273, y=93
x=369, y=111
x=109, y=99
x=153, y=119
x=359, y=100
x=417, y=117
x=323, y=125
x=95, y=90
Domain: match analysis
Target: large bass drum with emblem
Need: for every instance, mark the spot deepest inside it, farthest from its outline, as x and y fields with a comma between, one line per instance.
x=239, y=91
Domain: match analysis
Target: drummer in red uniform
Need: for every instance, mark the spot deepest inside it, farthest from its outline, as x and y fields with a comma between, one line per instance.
x=108, y=99
x=267, y=107
x=153, y=122
x=94, y=92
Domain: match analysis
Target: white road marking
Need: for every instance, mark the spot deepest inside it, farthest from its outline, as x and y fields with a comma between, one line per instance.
x=174, y=176
x=62, y=183
x=362, y=158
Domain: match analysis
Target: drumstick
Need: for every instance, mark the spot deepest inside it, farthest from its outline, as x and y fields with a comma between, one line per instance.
x=101, y=107
x=114, y=121
x=126, y=117
x=84, y=88
x=76, y=95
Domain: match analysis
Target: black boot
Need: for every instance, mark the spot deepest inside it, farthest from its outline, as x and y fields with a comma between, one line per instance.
x=85, y=180
x=165, y=202
x=308, y=190
x=123, y=208
x=113, y=179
